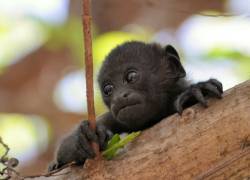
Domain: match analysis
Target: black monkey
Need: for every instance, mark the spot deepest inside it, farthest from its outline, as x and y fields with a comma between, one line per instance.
x=140, y=84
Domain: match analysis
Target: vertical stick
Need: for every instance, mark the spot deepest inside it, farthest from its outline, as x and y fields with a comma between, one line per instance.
x=86, y=18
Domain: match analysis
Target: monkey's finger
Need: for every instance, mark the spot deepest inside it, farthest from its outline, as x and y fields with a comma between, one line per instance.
x=181, y=99
x=85, y=129
x=84, y=145
x=212, y=90
x=178, y=107
x=199, y=96
x=101, y=132
x=109, y=134
x=52, y=166
x=82, y=153
x=218, y=84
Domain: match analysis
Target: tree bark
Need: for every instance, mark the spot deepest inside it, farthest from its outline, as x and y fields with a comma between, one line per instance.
x=211, y=143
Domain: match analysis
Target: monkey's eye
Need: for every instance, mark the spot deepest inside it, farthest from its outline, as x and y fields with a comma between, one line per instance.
x=108, y=89
x=131, y=76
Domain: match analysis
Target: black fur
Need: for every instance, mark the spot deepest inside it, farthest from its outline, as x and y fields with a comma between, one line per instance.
x=140, y=84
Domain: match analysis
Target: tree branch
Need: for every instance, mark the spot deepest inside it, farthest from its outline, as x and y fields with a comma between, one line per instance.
x=211, y=143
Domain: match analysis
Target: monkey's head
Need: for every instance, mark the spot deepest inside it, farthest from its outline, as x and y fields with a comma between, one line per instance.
x=135, y=80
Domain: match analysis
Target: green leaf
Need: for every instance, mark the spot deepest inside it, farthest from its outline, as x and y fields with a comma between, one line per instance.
x=115, y=139
x=117, y=143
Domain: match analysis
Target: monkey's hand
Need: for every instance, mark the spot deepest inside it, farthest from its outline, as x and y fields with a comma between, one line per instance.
x=198, y=92
x=77, y=146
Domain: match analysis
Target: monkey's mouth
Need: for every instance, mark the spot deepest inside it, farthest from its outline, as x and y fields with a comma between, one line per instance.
x=128, y=108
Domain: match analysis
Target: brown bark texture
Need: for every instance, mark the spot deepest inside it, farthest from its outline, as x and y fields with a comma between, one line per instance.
x=211, y=143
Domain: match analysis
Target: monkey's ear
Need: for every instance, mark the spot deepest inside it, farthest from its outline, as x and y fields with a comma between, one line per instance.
x=171, y=51
x=174, y=62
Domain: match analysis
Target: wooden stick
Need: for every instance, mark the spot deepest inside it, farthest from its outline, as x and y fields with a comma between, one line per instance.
x=86, y=19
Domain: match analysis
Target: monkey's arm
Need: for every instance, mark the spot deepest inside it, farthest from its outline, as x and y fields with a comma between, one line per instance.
x=198, y=93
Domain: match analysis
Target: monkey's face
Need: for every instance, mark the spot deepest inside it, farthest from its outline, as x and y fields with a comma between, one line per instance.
x=132, y=80
x=131, y=95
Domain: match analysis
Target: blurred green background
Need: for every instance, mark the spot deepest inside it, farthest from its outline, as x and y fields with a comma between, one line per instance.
x=42, y=83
